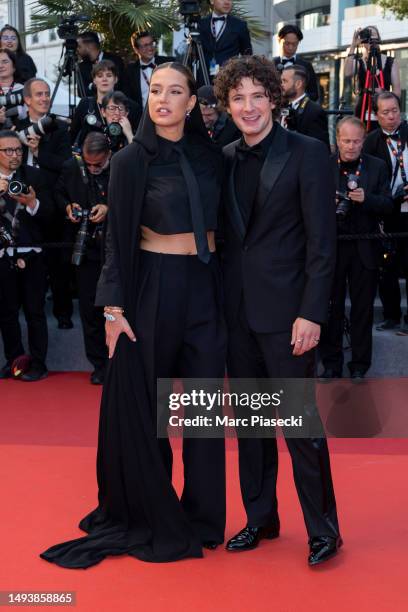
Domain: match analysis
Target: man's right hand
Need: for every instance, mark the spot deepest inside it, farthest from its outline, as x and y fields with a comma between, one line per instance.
x=3, y=186
x=113, y=329
x=69, y=210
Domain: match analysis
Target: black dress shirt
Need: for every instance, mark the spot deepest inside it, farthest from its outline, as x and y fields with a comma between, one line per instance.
x=248, y=169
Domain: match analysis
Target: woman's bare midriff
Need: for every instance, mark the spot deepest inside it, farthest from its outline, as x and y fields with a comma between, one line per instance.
x=172, y=244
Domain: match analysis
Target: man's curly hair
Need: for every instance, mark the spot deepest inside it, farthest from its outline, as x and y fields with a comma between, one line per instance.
x=256, y=67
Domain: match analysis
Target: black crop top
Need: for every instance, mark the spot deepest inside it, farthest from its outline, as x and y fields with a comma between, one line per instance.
x=166, y=206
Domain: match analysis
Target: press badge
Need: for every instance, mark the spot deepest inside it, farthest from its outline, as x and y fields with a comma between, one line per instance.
x=214, y=67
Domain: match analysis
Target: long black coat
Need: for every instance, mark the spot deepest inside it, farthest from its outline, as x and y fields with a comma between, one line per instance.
x=283, y=264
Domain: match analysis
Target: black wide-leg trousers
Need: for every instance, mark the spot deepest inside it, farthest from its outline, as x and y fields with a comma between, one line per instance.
x=255, y=355
x=181, y=331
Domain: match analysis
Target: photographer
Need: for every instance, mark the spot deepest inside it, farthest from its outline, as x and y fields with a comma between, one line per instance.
x=11, y=106
x=221, y=129
x=139, y=72
x=90, y=53
x=82, y=195
x=10, y=39
x=389, y=143
x=88, y=116
x=24, y=208
x=363, y=197
x=117, y=127
x=301, y=113
x=223, y=36
x=46, y=146
x=289, y=37
x=356, y=64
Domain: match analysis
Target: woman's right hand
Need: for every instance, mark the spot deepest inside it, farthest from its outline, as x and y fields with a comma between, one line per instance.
x=113, y=329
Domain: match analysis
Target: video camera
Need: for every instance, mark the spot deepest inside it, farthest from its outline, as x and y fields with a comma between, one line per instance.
x=68, y=29
x=366, y=37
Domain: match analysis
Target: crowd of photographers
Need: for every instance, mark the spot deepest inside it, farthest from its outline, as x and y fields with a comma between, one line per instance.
x=54, y=178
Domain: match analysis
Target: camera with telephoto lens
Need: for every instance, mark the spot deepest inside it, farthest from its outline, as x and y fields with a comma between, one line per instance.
x=6, y=239
x=190, y=8
x=400, y=194
x=43, y=126
x=82, y=236
x=344, y=202
x=68, y=29
x=17, y=188
x=11, y=99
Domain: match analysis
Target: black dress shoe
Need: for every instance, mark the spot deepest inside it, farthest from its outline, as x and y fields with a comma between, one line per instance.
x=97, y=377
x=65, y=323
x=357, y=374
x=5, y=372
x=323, y=548
x=36, y=372
x=329, y=373
x=210, y=544
x=249, y=538
x=388, y=324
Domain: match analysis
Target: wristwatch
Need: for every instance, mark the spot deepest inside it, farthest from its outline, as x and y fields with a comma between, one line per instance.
x=109, y=317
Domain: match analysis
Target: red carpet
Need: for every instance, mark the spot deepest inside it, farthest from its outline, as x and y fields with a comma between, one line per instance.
x=47, y=458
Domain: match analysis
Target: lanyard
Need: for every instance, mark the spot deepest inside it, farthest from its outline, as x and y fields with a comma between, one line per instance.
x=347, y=174
x=398, y=153
x=147, y=80
x=9, y=89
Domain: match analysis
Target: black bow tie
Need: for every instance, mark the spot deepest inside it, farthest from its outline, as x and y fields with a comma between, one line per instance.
x=244, y=152
x=145, y=66
x=219, y=18
x=395, y=136
x=288, y=61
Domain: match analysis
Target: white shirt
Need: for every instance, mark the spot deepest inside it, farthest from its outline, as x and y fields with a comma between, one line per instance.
x=295, y=103
x=398, y=179
x=31, y=211
x=218, y=25
x=145, y=76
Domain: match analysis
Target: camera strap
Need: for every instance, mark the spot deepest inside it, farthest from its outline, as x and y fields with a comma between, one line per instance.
x=398, y=153
x=345, y=172
x=82, y=169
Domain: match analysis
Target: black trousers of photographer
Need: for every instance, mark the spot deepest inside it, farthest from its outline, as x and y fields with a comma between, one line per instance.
x=24, y=288
x=93, y=322
x=362, y=284
x=397, y=268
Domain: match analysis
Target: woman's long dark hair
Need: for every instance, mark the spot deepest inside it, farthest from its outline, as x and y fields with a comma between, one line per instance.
x=20, y=49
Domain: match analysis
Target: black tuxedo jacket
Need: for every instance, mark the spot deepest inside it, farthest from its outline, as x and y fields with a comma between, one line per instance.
x=376, y=146
x=33, y=228
x=131, y=81
x=53, y=150
x=312, y=88
x=85, y=68
x=377, y=204
x=282, y=265
x=311, y=120
x=234, y=41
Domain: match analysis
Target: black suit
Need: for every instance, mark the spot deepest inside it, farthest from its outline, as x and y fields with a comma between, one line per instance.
x=312, y=87
x=235, y=40
x=53, y=150
x=356, y=266
x=25, y=287
x=310, y=119
x=276, y=269
x=71, y=188
x=132, y=86
x=86, y=65
x=375, y=144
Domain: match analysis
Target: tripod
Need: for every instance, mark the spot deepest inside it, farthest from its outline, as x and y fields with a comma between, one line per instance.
x=194, y=55
x=70, y=68
x=374, y=78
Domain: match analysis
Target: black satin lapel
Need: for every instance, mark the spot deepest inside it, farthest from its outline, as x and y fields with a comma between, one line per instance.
x=271, y=170
x=233, y=208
